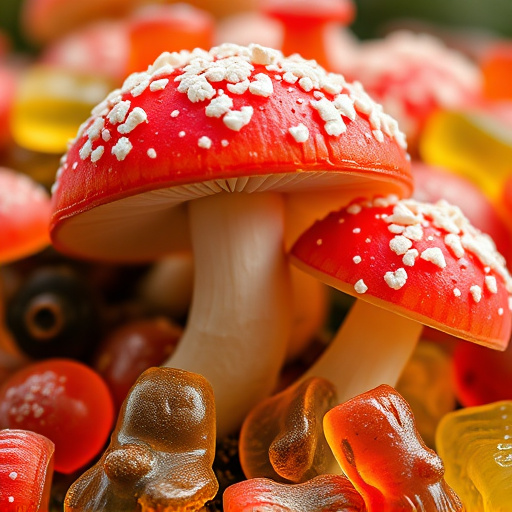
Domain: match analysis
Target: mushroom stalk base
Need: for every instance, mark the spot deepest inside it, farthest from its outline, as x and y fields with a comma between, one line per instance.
x=371, y=348
x=239, y=320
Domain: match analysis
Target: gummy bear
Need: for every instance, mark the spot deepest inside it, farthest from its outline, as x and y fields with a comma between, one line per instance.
x=161, y=452
x=374, y=438
x=324, y=493
x=26, y=470
x=475, y=446
x=426, y=383
x=282, y=437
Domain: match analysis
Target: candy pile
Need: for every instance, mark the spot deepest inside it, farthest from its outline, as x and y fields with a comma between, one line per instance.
x=249, y=262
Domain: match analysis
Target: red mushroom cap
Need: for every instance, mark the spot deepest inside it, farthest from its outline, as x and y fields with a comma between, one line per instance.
x=24, y=216
x=234, y=118
x=424, y=261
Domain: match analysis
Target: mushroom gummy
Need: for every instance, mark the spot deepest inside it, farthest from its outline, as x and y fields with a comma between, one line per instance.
x=230, y=132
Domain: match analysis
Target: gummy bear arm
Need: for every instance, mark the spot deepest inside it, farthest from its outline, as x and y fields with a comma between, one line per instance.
x=240, y=318
x=370, y=348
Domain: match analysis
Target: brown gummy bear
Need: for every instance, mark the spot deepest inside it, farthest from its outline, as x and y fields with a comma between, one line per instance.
x=324, y=493
x=375, y=441
x=282, y=437
x=161, y=452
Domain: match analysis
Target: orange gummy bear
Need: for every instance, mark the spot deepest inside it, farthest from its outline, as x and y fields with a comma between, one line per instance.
x=324, y=493
x=161, y=453
x=282, y=437
x=374, y=438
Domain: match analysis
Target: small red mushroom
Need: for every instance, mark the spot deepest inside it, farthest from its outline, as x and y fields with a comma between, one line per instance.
x=410, y=264
x=230, y=132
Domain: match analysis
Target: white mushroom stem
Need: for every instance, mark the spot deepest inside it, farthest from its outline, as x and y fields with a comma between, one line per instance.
x=239, y=320
x=371, y=348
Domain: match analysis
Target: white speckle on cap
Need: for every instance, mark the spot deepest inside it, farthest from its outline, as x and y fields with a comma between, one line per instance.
x=237, y=119
x=396, y=229
x=175, y=113
x=158, y=85
x=457, y=292
x=119, y=111
x=122, y=148
x=85, y=150
x=140, y=88
x=97, y=153
x=75, y=165
x=414, y=232
x=491, y=284
x=105, y=135
x=306, y=83
x=435, y=256
x=135, y=117
x=400, y=244
x=238, y=88
x=345, y=106
x=334, y=124
x=224, y=143
x=356, y=231
x=151, y=153
x=290, y=78
x=219, y=106
x=360, y=286
x=94, y=131
x=379, y=136
x=396, y=279
x=476, y=292
x=354, y=209
x=262, y=85
x=409, y=258
x=204, y=142
x=357, y=259
x=500, y=311
x=319, y=242
x=11, y=499
x=13, y=475
x=300, y=132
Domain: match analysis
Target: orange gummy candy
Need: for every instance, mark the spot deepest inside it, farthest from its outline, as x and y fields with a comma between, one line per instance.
x=161, y=453
x=282, y=436
x=374, y=438
x=324, y=493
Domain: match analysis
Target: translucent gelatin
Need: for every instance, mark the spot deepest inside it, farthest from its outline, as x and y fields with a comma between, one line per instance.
x=51, y=104
x=426, y=383
x=26, y=470
x=476, y=448
x=476, y=144
x=324, y=493
x=161, y=452
x=282, y=437
x=374, y=438
x=63, y=400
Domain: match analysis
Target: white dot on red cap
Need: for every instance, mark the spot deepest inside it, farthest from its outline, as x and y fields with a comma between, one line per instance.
x=181, y=134
x=368, y=240
x=224, y=143
x=357, y=259
x=151, y=153
x=500, y=311
x=360, y=286
x=13, y=475
x=319, y=241
x=456, y=292
x=175, y=113
x=11, y=499
x=356, y=230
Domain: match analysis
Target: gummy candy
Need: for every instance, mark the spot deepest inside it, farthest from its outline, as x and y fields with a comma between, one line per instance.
x=475, y=446
x=324, y=493
x=50, y=105
x=474, y=143
x=64, y=400
x=426, y=383
x=130, y=349
x=374, y=438
x=282, y=437
x=161, y=452
x=26, y=470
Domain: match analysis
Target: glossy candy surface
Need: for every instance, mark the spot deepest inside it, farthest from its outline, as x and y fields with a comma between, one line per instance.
x=26, y=470
x=63, y=400
x=426, y=383
x=161, y=452
x=374, y=438
x=324, y=493
x=282, y=437
x=475, y=446
x=132, y=348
